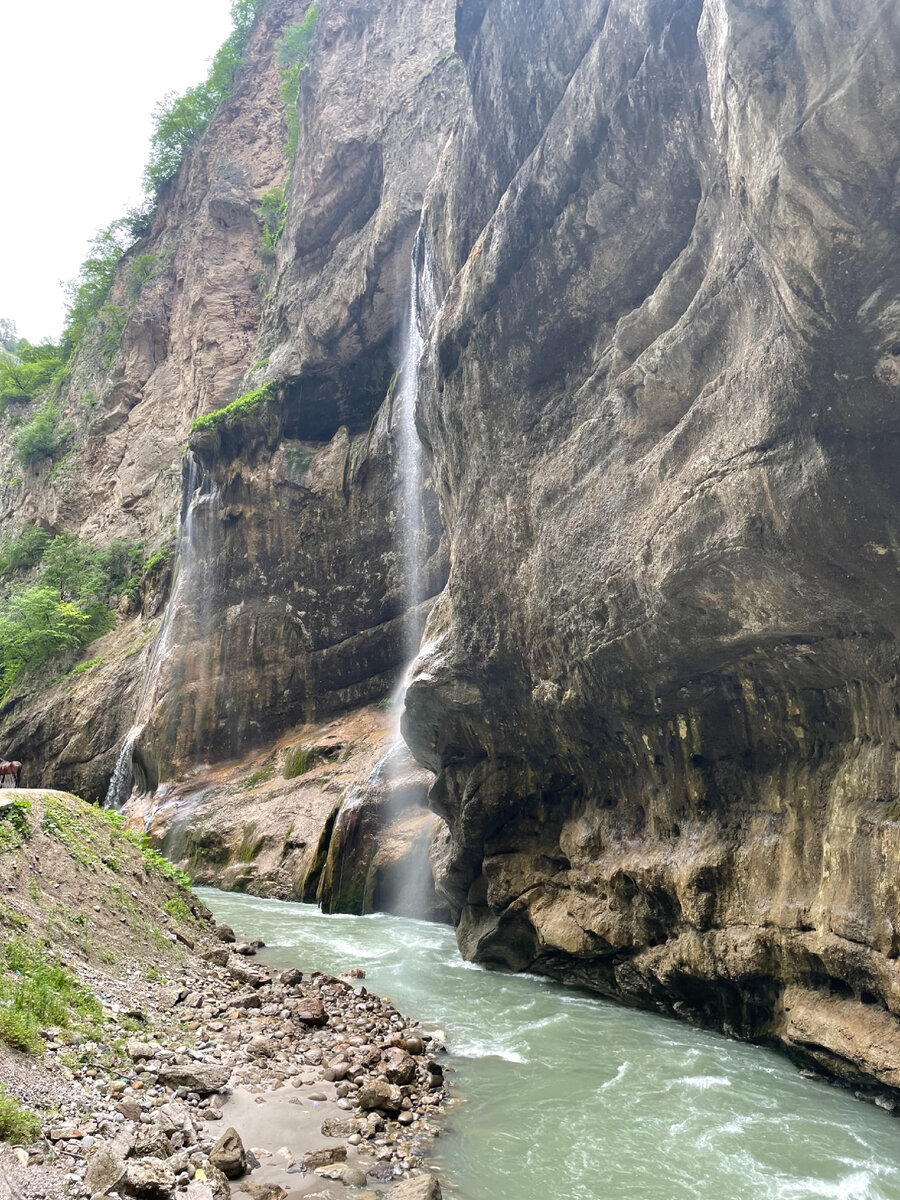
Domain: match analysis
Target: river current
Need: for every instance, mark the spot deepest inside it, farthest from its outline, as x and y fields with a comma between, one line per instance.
x=564, y=1096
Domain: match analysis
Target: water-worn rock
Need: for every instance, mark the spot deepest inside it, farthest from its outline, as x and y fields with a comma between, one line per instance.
x=421, y=1187
x=228, y=1154
x=335, y=1127
x=324, y=1157
x=378, y=1093
x=264, y=1191
x=311, y=1011
x=399, y=1067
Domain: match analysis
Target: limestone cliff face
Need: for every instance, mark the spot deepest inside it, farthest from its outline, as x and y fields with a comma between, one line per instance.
x=661, y=399
x=297, y=605
x=291, y=602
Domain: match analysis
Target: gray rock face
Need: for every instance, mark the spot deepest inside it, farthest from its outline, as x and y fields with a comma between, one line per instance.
x=422, y=1187
x=149, y=1179
x=105, y=1172
x=196, y=1077
x=660, y=690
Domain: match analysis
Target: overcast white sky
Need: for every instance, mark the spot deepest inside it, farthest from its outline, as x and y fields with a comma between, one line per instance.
x=77, y=90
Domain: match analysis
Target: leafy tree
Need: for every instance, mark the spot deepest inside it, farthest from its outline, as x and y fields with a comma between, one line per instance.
x=35, y=625
x=9, y=339
x=28, y=372
x=87, y=293
x=179, y=120
x=68, y=606
x=25, y=551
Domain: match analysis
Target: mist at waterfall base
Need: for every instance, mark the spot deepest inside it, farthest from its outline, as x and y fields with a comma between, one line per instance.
x=565, y=1095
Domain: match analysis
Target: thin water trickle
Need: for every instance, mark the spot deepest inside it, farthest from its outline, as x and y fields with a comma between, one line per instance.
x=566, y=1095
x=122, y=779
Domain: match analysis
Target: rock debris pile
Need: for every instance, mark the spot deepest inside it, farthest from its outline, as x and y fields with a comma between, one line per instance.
x=320, y=1084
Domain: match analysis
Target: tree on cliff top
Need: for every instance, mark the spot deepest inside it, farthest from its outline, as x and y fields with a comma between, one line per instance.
x=180, y=120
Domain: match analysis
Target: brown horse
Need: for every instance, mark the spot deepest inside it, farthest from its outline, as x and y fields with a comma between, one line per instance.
x=9, y=774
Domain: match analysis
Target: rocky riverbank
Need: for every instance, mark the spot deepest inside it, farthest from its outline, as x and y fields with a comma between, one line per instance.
x=197, y=1073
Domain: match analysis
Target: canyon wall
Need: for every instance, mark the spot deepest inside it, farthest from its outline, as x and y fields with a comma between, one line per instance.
x=661, y=400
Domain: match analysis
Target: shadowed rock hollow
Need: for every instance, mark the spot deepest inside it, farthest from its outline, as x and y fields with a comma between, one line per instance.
x=661, y=400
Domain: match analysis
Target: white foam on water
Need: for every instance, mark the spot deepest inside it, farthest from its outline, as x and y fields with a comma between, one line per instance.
x=857, y=1186
x=618, y=1077
x=486, y=1049
x=702, y=1082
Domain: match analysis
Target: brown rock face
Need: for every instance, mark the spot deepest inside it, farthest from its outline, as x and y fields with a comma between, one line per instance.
x=293, y=602
x=378, y=853
x=660, y=689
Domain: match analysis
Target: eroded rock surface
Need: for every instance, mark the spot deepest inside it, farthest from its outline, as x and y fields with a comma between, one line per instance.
x=661, y=398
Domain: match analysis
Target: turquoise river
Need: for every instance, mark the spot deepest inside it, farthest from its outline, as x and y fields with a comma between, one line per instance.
x=563, y=1096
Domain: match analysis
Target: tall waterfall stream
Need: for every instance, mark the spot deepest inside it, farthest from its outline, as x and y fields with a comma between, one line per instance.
x=563, y=1095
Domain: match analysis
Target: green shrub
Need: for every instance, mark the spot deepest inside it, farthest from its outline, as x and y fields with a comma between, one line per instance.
x=14, y=826
x=141, y=269
x=243, y=406
x=67, y=606
x=272, y=210
x=176, y=907
x=292, y=56
x=17, y=1123
x=23, y=551
x=157, y=560
x=110, y=324
x=43, y=436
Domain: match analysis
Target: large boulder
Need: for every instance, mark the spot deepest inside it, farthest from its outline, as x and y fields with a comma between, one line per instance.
x=228, y=1154
x=204, y=1078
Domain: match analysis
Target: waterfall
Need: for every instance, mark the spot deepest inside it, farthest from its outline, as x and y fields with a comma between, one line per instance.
x=395, y=786
x=415, y=883
x=122, y=779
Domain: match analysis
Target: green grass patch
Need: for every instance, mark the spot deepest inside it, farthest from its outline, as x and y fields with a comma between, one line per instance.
x=263, y=775
x=9, y=916
x=40, y=992
x=299, y=761
x=17, y=1123
x=14, y=825
x=84, y=667
x=176, y=907
x=250, y=846
x=242, y=407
